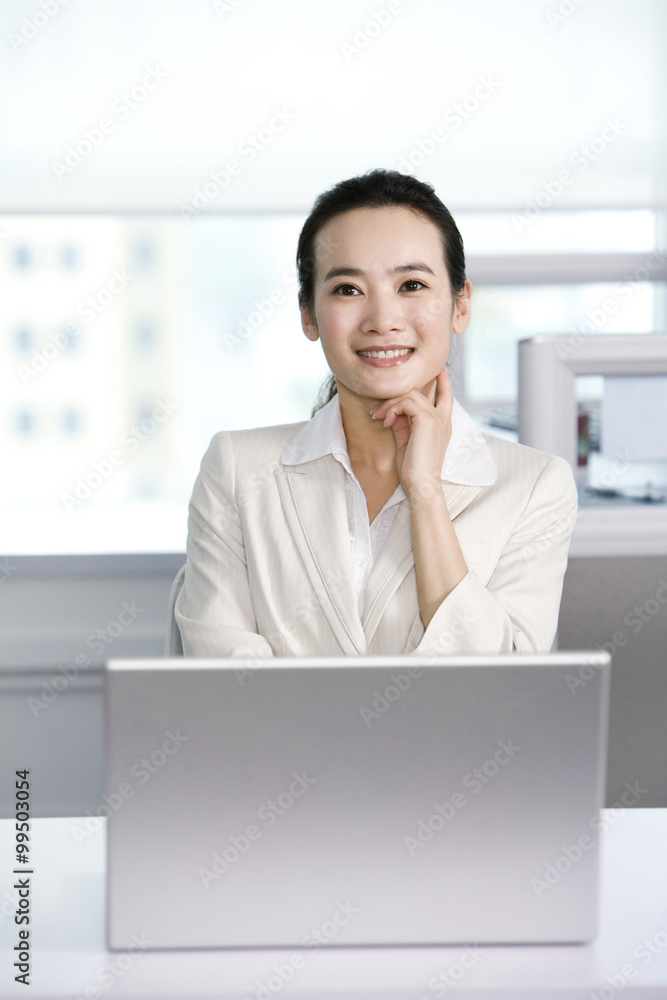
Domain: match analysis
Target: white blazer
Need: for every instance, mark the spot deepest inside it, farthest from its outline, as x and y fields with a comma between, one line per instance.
x=269, y=566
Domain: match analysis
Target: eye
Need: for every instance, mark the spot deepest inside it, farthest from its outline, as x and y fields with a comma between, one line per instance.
x=416, y=285
x=344, y=290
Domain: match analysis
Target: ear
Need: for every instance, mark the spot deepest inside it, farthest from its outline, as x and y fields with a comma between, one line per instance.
x=461, y=316
x=308, y=323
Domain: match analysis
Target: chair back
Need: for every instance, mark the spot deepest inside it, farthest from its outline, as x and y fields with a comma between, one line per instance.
x=174, y=643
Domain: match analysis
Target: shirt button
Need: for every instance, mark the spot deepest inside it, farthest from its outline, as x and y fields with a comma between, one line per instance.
x=361, y=562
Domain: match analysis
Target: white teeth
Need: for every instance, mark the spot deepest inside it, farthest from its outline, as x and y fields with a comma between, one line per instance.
x=385, y=354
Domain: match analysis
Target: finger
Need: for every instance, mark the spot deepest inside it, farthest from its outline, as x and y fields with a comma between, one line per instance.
x=397, y=421
x=411, y=405
x=445, y=393
x=377, y=411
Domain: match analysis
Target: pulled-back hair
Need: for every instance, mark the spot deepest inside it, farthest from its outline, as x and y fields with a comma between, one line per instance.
x=376, y=189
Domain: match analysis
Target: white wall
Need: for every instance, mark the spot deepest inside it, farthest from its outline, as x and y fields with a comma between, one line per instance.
x=534, y=86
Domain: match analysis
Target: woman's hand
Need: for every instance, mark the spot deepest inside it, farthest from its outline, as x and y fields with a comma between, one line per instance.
x=422, y=432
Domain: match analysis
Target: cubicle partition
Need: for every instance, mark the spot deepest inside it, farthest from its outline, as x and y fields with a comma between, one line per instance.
x=63, y=608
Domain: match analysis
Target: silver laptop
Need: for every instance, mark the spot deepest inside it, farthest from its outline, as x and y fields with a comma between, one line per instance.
x=355, y=801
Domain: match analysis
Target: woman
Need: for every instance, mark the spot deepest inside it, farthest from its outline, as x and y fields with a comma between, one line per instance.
x=388, y=523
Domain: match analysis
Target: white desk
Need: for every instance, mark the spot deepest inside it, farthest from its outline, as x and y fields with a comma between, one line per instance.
x=70, y=957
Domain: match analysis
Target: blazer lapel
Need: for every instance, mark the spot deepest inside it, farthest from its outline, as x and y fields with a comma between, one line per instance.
x=313, y=499
x=393, y=564
x=396, y=558
x=458, y=497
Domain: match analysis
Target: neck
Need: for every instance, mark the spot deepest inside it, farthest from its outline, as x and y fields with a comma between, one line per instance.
x=369, y=444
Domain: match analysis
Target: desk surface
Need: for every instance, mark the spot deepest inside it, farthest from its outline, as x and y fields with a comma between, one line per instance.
x=70, y=960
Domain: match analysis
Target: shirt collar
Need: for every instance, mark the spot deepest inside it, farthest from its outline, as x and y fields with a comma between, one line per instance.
x=468, y=460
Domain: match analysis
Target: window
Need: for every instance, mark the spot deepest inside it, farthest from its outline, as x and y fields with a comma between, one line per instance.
x=22, y=257
x=69, y=257
x=25, y=423
x=135, y=411
x=23, y=340
x=71, y=422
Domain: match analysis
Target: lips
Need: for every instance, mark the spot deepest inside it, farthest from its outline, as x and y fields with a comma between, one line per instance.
x=386, y=352
x=386, y=357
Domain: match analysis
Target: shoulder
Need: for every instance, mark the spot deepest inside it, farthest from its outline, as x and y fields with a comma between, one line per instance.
x=251, y=446
x=534, y=487
x=532, y=473
x=235, y=459
x=511, y=457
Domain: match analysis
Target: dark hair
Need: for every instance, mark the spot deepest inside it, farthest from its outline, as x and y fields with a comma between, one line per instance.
x=376, y=189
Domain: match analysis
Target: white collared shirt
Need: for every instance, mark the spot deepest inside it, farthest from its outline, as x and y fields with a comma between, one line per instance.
x=467, y=461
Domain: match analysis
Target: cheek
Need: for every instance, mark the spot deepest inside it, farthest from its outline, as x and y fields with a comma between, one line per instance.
x=334, y=319
x=433, y=314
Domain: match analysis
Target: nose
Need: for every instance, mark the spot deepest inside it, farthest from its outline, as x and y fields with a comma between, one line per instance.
x=383, y=313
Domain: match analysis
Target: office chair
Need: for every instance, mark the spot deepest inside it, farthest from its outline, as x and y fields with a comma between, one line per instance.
x=174, y=643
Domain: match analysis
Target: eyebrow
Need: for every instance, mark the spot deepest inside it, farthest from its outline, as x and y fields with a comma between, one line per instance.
x=356, y=272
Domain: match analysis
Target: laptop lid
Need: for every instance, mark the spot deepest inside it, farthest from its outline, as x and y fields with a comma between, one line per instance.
x=391, y=800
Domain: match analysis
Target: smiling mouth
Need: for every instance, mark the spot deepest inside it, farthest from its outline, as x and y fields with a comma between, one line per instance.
x=386, y=354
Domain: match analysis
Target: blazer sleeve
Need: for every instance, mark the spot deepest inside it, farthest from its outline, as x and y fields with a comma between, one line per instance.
x=517, y=610
x=214, y=611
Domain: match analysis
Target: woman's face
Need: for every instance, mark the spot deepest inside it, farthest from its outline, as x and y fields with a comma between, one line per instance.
x=381, y=283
